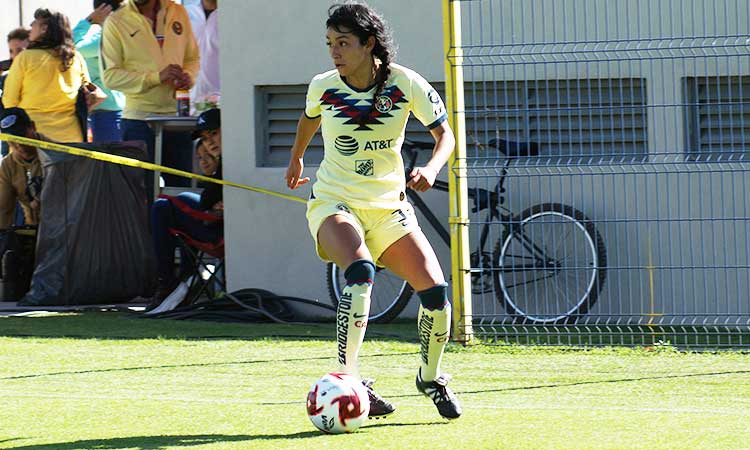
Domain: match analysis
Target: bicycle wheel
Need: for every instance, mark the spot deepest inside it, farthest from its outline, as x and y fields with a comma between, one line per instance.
x=390, y=294
x=550, y=265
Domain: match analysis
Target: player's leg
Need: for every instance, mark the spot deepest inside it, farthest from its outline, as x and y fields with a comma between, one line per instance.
x=342, y=242
x=412, y=258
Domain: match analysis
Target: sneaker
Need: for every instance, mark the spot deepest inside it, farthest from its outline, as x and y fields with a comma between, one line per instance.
x=163, y=289
x=446, y=401
x=379, y=407
x=172, y=301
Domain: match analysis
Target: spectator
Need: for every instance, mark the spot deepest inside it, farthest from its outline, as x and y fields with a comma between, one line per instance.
x=168, y=213
x=207, y=90
x=148, y=51
x=104, y=120
x=20, y=171
x=45, y=78
x=18, y=40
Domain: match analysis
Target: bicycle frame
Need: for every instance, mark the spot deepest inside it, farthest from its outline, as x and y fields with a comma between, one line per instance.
x=492, y=200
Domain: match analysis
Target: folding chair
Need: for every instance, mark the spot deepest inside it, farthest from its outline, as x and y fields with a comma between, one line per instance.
x=203, y=265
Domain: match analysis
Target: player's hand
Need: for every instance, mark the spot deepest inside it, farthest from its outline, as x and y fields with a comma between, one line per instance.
x=99, y=14
x=294, y=174
x=421, y=178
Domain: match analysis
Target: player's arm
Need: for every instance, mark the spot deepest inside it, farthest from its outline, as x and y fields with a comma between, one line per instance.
x=422, y=178
x=306, y=128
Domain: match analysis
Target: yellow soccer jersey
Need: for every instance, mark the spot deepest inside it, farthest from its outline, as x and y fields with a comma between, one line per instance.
x=362, y=163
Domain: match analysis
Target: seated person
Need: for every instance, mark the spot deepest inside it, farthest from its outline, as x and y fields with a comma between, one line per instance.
x=167, y=213
x=20, y=170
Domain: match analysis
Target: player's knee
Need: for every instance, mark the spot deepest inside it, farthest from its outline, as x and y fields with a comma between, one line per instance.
x=360, y=271
x=434, y=298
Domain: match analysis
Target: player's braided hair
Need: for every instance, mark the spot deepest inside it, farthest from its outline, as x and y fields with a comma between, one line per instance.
x=363, y=22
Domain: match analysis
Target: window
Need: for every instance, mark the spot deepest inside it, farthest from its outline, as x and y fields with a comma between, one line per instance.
x=578, y=121
x=573, y=121
x=717, y=118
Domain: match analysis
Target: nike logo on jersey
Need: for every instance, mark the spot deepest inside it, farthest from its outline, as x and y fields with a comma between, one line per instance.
x=134, y=33
x=359, y=316
x=361, y=112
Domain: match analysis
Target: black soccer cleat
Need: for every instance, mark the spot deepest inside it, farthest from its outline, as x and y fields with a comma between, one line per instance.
x=438, y=391
x=379, y=407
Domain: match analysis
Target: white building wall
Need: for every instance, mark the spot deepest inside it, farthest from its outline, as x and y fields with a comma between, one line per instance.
x=282, y=42
x=15, y=13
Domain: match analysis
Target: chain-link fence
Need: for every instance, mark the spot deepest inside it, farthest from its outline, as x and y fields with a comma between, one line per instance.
x=608, y=152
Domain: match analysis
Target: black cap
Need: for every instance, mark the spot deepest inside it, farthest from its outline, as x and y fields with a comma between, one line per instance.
x=208, y=120
x=14, y=121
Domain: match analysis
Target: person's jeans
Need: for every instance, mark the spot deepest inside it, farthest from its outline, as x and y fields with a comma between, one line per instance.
x=105, y=126
x=177, y=151
x=165, y=215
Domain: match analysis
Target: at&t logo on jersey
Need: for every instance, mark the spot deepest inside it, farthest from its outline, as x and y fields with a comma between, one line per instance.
x=346, y=145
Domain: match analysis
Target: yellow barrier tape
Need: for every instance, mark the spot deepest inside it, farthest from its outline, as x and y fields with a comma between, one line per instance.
x=131, y=162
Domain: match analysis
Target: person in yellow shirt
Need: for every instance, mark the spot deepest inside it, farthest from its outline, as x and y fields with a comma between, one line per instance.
x=44, y=80
x=148, y=51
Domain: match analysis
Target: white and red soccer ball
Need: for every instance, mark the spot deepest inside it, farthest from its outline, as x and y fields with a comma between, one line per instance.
x=338, y=403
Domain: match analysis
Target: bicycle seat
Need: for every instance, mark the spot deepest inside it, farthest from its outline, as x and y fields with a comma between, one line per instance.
x=512, y=149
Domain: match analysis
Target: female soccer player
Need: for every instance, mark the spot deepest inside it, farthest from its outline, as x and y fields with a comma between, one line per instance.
x=358, y=214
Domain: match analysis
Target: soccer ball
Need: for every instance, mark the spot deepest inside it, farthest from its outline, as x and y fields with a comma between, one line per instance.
x=337, y=403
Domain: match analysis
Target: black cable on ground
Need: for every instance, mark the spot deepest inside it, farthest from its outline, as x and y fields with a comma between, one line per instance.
x=245, y=305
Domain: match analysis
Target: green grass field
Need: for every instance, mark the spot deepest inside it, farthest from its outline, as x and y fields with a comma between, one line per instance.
x=108, y=381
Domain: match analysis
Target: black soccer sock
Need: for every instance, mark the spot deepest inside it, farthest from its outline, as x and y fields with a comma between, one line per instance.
x=352, y=312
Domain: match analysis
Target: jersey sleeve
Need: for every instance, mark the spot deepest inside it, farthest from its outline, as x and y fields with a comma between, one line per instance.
x=427, y=106
x=312, y=100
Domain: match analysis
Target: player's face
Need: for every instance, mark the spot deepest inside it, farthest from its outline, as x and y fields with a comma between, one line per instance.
x=16, y=46
x=348, y=54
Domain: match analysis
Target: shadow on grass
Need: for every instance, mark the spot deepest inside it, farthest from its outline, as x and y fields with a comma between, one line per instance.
x=610, y=381
x=128, y=326
x=160, y=442
x=174, y=366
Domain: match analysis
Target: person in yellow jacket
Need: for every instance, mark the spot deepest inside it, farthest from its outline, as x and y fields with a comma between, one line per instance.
x=20, y=170
x=148, y=51
x=45, y=78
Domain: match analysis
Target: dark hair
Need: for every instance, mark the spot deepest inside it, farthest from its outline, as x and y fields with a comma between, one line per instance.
x=113, y=3
x=58, y=36
x=363, y=22
x=20, y=33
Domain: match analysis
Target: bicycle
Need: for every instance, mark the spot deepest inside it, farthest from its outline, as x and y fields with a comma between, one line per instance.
x=549, y=249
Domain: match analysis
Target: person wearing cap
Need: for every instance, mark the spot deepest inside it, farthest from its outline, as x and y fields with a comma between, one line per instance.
x=20, y=170
x=169, y=213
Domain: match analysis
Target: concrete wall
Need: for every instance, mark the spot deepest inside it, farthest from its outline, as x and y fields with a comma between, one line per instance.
x=283, y=43
x=266, y=43
x=15, y=13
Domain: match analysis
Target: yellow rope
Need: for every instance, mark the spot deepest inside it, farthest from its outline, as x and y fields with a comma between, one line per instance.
x=121, y=160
